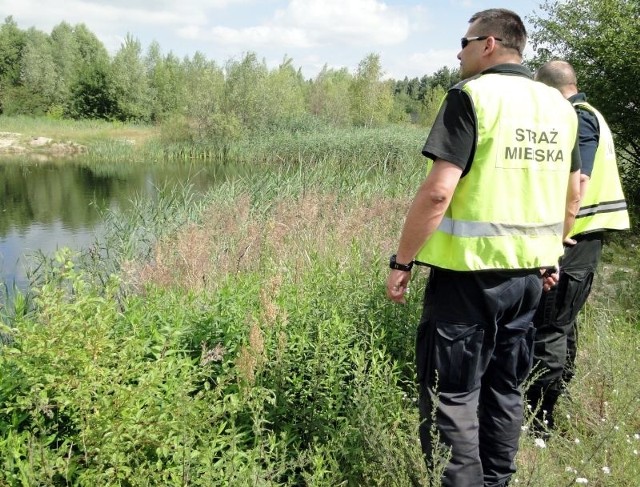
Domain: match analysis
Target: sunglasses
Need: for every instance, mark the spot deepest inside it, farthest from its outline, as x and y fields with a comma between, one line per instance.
x=464, y=42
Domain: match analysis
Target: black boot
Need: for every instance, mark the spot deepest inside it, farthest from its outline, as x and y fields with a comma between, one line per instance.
x=542, y=403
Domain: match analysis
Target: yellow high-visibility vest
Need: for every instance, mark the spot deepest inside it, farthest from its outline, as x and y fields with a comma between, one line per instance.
x=508, y=211
x=603, y=207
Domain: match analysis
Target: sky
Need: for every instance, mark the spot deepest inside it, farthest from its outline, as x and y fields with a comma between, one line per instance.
x=413, y=38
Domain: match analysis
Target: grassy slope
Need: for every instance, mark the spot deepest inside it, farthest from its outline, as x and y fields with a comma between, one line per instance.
x=256, y=346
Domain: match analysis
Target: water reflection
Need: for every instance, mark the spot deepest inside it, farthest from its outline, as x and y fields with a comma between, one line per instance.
x=50, y=205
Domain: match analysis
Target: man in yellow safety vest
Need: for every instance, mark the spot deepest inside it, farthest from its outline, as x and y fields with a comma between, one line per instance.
x=490, y=216
x=602, y=208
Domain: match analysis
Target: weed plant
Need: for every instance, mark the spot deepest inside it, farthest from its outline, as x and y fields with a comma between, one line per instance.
x=597, y=435
x=244, y=339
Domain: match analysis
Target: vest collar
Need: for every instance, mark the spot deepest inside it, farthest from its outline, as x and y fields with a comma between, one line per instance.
x=577, y=98
x=509, y=69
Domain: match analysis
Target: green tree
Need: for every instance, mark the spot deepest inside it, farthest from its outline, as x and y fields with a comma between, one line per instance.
x=208, y=121
x=329, y=96
x=245, y=91
x=600, y=39
x=371, y=97
x=444, y=77
x=284, y=91
x=12, y=43
x=406, y=100
x=129, y=83
x=409, y=87
x=430, y=105
x=90, y=92
x=35, y=89
x=166, y=83
x=65, y=52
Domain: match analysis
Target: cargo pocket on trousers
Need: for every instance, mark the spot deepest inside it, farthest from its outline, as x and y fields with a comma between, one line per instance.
x=457, y=350
x=524, y=355
x=423, y=345
x=578, y=287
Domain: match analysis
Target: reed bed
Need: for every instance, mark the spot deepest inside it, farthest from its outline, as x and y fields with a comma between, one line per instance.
x=242, y=337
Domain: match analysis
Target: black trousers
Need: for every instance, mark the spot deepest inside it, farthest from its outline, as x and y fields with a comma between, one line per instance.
x=473, y=351
x=556, y=322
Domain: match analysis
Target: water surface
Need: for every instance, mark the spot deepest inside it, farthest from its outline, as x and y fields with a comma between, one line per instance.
x=53, y=204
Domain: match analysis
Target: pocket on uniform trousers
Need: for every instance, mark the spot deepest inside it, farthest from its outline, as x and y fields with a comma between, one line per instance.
x=457, y=352
x=524, y=355
x=423, y=345
x=576, y=291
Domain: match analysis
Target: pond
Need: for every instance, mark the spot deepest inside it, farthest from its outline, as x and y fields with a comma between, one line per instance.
x=61, y=203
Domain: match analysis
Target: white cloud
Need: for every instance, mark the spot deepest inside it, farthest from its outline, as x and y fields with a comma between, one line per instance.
x=312, y=23
x=257, y=36
x=357, y=21
x=418, y=64
x=109, y=16
x=413, y=37
x=152, y=5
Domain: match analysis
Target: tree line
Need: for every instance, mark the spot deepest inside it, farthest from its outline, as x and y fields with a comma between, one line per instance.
x=70, y=74
x=600, y=39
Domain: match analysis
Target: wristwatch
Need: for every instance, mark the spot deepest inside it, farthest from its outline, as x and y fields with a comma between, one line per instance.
x=400, y=267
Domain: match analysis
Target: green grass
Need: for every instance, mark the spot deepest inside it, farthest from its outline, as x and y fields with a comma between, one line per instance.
x=598, y=435
x=244, y=339
x=86, y=132
x=116, y=142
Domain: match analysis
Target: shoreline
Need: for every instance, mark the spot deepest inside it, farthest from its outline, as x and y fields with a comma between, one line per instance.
x=14, y=143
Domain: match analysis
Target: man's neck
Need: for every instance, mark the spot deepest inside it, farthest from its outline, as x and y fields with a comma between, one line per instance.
x=568, y=91
x=506, y=58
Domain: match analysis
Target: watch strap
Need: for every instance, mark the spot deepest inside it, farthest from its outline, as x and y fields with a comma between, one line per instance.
x=400, y=267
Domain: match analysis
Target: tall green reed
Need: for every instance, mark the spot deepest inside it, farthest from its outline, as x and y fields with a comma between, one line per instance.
x=246, y=340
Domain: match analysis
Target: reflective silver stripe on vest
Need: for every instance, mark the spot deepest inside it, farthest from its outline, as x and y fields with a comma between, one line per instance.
x=605, y=207
x=459, y=228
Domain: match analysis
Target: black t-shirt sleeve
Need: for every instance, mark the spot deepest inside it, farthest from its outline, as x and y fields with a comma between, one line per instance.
x=576, y=159
x=589, y=136
x=576, y=162
x=453, y=134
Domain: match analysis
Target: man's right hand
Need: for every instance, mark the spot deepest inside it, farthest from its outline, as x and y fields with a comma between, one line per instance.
x=398, y=285
x=550, y=278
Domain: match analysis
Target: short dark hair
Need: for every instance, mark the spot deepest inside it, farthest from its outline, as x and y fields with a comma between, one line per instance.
x=502, y=23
